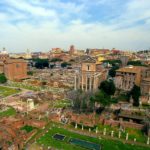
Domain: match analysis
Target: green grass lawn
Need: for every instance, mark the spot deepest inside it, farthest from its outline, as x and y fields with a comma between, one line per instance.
x=28, y=128
x=133, y=133
x=62, y=103
x=48, y=140
x=9, y=112
x=21, y=85
x=6, y=91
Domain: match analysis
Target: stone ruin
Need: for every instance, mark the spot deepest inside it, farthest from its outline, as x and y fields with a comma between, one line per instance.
x=11, y=135
x=40, y=97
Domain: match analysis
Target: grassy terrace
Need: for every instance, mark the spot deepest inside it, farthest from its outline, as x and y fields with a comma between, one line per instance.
x=48, y=140
x=9, y=112
x=6, y=91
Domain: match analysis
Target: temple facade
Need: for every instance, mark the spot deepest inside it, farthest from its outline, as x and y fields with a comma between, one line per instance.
x=129, y=76
x=90, y=75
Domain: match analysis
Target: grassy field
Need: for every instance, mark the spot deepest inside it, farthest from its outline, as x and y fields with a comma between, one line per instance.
x=133, y=133
x=6, y=91
x=48, y=140
x=28, y=87
x=62, y=103
x=9, y=112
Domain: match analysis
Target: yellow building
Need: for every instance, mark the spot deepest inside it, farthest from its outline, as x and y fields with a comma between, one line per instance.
x=100, y=58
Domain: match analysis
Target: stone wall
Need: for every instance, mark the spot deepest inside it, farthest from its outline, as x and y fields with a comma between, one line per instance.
x=124, y=124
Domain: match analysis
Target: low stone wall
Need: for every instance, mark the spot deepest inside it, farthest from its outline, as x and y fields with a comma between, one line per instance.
x=112, y=123
x=124, y=124
x=36, y=123
x=131, y=125
x=86, y=119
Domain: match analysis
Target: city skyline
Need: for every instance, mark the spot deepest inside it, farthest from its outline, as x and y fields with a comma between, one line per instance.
x=40, y=25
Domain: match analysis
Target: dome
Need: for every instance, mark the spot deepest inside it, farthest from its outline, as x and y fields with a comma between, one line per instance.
x=4, y=51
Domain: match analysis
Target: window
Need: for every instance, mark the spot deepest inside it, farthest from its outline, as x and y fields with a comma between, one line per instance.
x=88, y=67
x=17, y=65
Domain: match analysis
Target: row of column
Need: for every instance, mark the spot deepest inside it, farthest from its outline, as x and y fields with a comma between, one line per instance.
x=88, y=83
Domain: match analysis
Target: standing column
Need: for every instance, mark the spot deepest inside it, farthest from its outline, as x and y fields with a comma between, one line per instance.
x=82, y=82
x=90, y=83
x=79, y=80
x=86, y=83
x=75, y=82
x=93, y=83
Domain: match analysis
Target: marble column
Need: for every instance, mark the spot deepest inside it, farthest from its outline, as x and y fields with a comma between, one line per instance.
x=75, y=82
x=86, y=84
x=79, y=80
x=94, y=83
x=90, y=83
x=82, y=83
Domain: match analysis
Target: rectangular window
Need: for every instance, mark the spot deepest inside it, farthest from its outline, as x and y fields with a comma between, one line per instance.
x=88, y=67
x=17, y=65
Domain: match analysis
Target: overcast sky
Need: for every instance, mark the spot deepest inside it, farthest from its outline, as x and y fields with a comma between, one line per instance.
x=39, y=25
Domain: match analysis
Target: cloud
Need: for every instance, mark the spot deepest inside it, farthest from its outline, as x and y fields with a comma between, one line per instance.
x=43, y=24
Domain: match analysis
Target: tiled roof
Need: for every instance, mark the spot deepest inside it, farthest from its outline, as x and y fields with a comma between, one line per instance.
x=132, y=69
x=15, y=61
x=86, y=59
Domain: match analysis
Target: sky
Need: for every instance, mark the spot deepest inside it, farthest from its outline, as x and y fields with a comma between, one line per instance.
x=40, y=25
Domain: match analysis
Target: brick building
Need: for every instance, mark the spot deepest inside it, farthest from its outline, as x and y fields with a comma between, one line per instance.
x=126, y=77
x=14, y=69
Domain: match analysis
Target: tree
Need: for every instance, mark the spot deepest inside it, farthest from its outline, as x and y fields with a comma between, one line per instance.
x=81, y=101
x=102, y=98
x=112, y=71
x=3, y=78
x=135, y=63
x=108, y=87
x=30, y=73
x=52, y=66
x=65, y=64
x=41, y=63
x=135, y=93
x=55, y=60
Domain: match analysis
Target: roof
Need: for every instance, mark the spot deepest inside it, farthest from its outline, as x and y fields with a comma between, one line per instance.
x=132, y=69
x=14, y=61
x=147, y=79
x=89, y=59
x=85, y=58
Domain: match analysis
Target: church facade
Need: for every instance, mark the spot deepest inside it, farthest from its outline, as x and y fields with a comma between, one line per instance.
x=90, y=75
